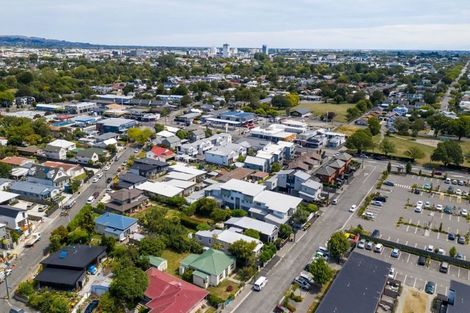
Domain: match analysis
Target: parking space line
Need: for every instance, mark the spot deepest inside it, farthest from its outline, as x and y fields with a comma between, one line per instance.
x=458, y=273
x=406, y=243
x=416, y=230
x=398, y=240
x=407, y=228
x=408, y=260
x=438, y=233
x=414, y=284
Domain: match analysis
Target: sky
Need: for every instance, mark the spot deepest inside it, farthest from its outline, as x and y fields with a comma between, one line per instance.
x=313, y=24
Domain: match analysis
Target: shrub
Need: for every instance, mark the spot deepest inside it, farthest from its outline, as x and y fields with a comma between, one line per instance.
x=214, y=300
x=229, y=288
x=189, y=222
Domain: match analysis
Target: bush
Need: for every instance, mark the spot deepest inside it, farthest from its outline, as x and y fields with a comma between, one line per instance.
x=239, y=213
x=203, y=226
x=189, y=222
x=247, y=272
x=229, y=288
x=25, y=289
x=214, y=300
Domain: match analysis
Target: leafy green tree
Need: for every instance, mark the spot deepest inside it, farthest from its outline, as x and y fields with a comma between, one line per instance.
x=129, y=285
x=285, y=231
x=321, y=271
x=338, y=245
x=453, y=252
x=75, y=185
x=402, y=125
x=460, y=127
x=353, y=113
x=361, y=140
x=159, y=127
x=151, y=245
x=5, y=170
x=374, y=125
x=243, y=252
x=275, y=167
x=186, y=100
x=438, y=123
x=448, y=152
x=300, y=216
x=377, y=97
x=239, y=213
x=108, y=303
x=182, y=134
x=408, y=168
x=252, y=233
x=414, y=152
x=416, y=126
x=220, y=215
x=139, y=134
x=387, y=146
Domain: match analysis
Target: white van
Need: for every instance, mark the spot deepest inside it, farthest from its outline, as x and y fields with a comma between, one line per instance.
x=90, y=200
x=260, y=283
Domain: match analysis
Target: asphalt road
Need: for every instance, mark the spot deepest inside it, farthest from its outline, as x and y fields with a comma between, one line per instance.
x=283, y=273
x=447, y=96
x=28, y=261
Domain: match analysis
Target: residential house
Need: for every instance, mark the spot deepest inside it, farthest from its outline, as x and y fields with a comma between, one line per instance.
x=66, y=268
x=326, y=174
x=90, y=155
x=225, y=238
x=17, y=161
x=159, y=189
x=196, y=134
x=115, y=125
x=160, y=154
x=268, y=232
x=54, y=177
x=297, y=183
x=34, y=192
x=116, y=226
x=199, y=175
x=209, y=268
x=302, y=113
x=148, y=167
x=238, y=173
x=257, y=164
x=166, y=293
x=225, y=155
x=67, y=145
x=7, y=197
x=55, y=152
x=130, y=180
x=14, y=218
x=187, y=186
x=126, y=200
x=172, y=142
x=72, y=170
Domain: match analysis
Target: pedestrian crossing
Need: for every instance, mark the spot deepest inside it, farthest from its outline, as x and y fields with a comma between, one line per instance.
x=403, y=186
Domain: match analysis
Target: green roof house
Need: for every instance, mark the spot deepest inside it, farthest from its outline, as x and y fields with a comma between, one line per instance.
x=209, y=268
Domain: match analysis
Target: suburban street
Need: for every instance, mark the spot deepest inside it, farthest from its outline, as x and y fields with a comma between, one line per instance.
x=292, y=262
x=447, y=96
x=28, y=261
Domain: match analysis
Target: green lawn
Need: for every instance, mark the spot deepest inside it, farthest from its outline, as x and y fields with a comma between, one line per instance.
x=173, y=259
x=221, y=289
x=321, y=108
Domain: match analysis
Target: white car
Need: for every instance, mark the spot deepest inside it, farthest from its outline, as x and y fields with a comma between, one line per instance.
x=441, y=251
x=464, y=212
x=90, y=199
x=427, y=204
x=430, y=248
x=106, y=168
x=439, y=207
x=361, y=244
x=379, y=248
x=458, y=192
x=391, y=273
x=99, y=175
x=353, y=208
x=419, y=203
x=418, y=209
x=95, y=180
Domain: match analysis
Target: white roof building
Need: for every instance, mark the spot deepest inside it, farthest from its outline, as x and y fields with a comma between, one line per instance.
x=67, y=145
x=160, y=189
x=226, y=238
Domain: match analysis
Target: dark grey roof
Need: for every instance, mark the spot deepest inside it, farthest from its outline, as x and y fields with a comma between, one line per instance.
x=89, y=152
x=461, y=297
x=6, y=210
x=106, y=136
x=78, y=256
x=59, y=276
x=326, y=171
x=151, y=162
x=301, y=110
x=132, y=178
x=358, y=286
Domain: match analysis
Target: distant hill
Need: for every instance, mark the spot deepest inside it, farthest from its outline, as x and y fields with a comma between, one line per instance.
x=36, y=42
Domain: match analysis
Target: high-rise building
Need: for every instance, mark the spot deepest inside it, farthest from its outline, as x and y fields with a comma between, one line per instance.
x=264, y=49
x=226, y=50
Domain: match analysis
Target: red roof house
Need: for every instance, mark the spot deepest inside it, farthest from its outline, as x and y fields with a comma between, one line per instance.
x=160, y=153
x=169, y=294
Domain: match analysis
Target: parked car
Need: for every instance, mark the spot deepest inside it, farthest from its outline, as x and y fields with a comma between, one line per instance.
x=361, y=244
x=461, y=240
x=448, y=209
x=419, y=203
x=375, y=233
x=369, y=215
x=441, y=251
x=427, y=204
x=447, y=180
x=458, y=192
x=444, y=267
x=450, y=189
x=454, y=182
x=422, y=260
x=417, y=191
x=106, y=168
x=430, y=287
x=95, y=180
x=92, y=306
x=389, y=183
x=460, y=256
x=380, y=198
x=369, y=245
x=464, y=212
x=260, y=283
x=427, y=186
x=439, y=207
x=377, y=203
x=460, y=183
x=90, y=199
x=379, y=248
x=418, y=209
x=395, y=253
x=302, y=283
x=451, y=236
x=109, y=179
x=334, y=201
x=430, y=248
x=391, y=273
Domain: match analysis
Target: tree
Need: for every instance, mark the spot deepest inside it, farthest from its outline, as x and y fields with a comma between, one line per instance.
x=387, y=147
x=275, y=167
x=182, y=134
x=416, y=126
x=389, y=167
x=374, y=125
x=159, y=127
x=453, y=252
x=408, y=168
x=151, y=245
x=129, y=285
x=108, y=303
x=186, y=100
x=285, y=231
x=438, y=122
x=5, y=170
x=300, y=216
x=377, y=97
x=111, y=149
x=321, y=271
x=360, y=140
x=75, y=185
x=338, y=245
x=243, y=252
x=139, y=134
x=415, y=152
x=460, y=127
x=448, y=152
x=252, y=233
x=402, y=125
x=353, y=113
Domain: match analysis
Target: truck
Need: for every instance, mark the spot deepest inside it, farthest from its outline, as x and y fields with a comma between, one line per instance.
x=35, y=237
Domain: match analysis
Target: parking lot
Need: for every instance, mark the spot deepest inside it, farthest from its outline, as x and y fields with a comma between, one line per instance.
x=411, y=274
x=397, y=220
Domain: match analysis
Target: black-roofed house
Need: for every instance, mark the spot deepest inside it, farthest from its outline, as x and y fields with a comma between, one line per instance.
x=358, y=287
x=48, y=176
x=300, y=112
x=14, y=218
x=126, y=200
x=326, y=174
x=66, y=268
x=130, y=180
x=148, y=167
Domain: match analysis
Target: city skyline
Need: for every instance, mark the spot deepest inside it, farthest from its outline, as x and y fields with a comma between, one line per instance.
x=309, y=24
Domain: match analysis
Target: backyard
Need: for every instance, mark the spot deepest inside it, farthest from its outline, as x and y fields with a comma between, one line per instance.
x=321, y=108
x=173, y=259
x=224, y=289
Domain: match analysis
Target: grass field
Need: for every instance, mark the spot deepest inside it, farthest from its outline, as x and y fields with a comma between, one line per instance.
x=173, y=260
x=347, y=129
x=321, y=108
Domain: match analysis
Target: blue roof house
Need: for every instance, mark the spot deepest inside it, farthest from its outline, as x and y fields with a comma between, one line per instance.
x=116, y=226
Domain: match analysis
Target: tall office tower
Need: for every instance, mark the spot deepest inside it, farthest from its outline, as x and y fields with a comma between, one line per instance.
x=264, y=49
x=226, y=50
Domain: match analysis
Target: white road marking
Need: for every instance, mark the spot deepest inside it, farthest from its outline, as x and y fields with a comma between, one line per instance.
x=408, y=260
x=414, y=284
